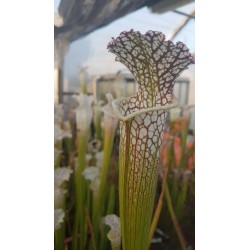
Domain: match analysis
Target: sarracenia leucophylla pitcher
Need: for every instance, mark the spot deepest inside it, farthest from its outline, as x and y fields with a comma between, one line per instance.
x=155, y=64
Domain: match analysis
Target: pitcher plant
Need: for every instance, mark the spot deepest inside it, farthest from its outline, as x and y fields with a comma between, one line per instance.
x=155, y=64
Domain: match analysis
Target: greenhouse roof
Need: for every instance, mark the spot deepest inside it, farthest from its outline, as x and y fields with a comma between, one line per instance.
x=80, y=18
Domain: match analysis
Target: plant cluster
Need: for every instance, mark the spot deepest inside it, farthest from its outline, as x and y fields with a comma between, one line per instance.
x=87, y=166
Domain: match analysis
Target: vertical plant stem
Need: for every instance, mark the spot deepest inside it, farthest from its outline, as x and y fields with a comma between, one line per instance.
x=58, y=146
x=157, y=210
x=184, y=134
x=80, y=225
x=90, y=228
x=111, y=200
x=97, y=122
x=175, y=188
x=174, y=219
x=109, y=210
x=181, y=198
x=57, y=162
x=59, y=235
x=108, y=146
x=109, y=133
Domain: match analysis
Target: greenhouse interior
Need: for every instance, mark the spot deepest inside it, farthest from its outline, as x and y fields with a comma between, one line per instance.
x=124, y=125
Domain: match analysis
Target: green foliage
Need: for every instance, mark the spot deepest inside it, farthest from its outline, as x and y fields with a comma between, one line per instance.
x=87, y=201
x=177, y=157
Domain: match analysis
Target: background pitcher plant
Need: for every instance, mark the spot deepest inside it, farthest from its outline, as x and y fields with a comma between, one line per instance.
x=155, y=64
